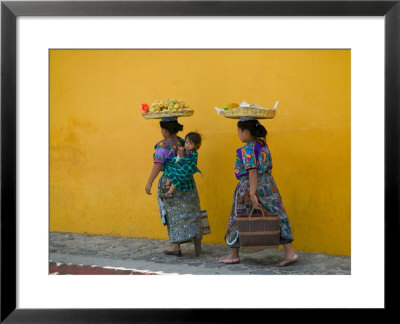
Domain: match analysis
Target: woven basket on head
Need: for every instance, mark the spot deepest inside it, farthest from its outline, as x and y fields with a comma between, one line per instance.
x=259, y=113
x=176, y=113
x=260, y=231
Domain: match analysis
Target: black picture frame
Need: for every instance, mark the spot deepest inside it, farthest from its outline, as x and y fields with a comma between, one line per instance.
x=10, y=10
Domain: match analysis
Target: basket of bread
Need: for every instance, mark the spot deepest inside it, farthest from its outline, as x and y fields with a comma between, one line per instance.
x=234, y=110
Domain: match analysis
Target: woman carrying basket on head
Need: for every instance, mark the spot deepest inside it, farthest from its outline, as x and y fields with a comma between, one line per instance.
x=256, y=188
x=181, y=212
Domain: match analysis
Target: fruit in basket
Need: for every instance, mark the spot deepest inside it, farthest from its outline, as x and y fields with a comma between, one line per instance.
x=231, y=106
x=170, y=105
x=144, y=107
x=172, y=101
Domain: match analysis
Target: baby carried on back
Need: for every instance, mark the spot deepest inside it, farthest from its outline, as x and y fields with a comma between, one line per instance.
x=180, y=171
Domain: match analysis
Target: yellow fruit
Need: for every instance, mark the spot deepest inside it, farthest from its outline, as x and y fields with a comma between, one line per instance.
x=172, y=104
x=172, y=100
x=231, y=106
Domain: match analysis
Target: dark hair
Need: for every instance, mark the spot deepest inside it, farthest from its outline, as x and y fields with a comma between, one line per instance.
x=195, y=138
x=256, y=129
x=172, y=127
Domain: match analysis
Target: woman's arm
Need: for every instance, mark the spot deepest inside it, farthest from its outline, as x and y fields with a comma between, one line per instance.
x=154, y=173
x=253, y=178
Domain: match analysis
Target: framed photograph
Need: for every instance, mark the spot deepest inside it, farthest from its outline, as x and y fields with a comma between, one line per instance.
x=35, y=33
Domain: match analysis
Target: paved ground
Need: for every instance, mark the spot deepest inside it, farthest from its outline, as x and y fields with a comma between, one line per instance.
x=145, y=256
x=57, y=268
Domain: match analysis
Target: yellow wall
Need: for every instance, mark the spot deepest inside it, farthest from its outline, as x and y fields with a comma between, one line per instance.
x=101, y=147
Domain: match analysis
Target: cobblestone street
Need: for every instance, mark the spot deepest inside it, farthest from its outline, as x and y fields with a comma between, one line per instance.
x=145, y=255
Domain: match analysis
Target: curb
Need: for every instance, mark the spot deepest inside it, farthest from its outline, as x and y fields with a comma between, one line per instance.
x=57, y=268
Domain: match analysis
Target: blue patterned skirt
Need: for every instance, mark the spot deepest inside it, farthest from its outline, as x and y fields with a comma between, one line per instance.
x=181, y=213
x=269, y=198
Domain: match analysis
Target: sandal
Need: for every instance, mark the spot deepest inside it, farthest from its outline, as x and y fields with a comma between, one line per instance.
x=287, y=262
x=229, y=260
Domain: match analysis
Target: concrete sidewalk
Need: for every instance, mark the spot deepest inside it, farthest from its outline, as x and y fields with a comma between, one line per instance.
x=146, y=255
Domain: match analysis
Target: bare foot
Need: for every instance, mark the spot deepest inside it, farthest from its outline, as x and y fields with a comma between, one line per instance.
x=165, y=187
x=166, y=195
x=229, y=260
x=173, y=252
x=288, y=261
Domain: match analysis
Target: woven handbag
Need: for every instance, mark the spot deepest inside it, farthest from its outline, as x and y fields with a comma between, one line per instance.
x=205, y=226
x=259, y=230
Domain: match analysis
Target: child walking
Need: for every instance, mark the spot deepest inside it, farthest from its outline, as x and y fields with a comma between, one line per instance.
x=180, y=173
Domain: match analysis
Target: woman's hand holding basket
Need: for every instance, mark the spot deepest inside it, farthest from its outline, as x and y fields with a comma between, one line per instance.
x=255, y=202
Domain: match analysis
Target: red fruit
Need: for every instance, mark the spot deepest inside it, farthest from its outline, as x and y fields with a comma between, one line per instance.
x=144, y=107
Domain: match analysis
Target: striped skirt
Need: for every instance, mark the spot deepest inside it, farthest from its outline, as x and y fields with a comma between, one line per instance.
x=269, y=198
x=181, y=213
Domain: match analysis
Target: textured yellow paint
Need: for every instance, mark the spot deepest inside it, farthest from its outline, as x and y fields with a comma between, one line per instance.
x=101, y=148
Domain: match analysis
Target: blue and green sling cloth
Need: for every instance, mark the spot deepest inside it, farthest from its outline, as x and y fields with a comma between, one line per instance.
x=181, y=173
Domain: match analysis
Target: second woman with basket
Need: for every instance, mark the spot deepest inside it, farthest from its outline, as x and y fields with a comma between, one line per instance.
x=256, y=188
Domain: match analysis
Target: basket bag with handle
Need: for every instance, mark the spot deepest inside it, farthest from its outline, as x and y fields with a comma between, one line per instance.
x=205, y=226
x=259, y=231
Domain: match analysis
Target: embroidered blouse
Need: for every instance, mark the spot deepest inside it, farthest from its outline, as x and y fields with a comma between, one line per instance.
x=167, y=150
x=254, y=154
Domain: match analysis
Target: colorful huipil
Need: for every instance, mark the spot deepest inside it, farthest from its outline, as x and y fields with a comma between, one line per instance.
x=165, y=150
x=181, y=213
x=181, y=172
x=255, y=154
